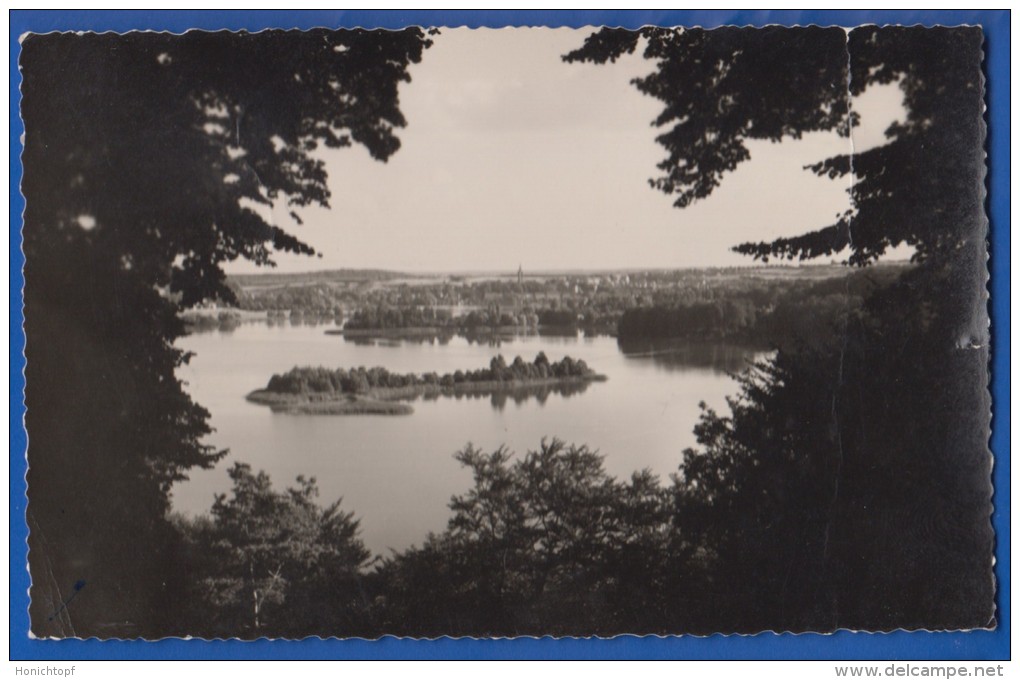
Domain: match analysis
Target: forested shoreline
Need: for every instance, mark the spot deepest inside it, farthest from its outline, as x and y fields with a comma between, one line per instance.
x=308, y=380
x=738, y=306
x=360, y=391
x=795, y=314
x=751, y=304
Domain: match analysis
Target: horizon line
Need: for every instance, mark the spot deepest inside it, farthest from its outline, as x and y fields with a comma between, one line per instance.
x=269, y=271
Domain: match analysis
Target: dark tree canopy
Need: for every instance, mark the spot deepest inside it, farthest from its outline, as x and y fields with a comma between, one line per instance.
x=723, y=86
x=272, y=563
x=146, y=157
x=548, y=543
x=720, y=88
x=849, y=485
x=166, y=141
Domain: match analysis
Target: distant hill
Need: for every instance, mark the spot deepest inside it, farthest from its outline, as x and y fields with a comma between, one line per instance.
x=326, y=276
x=779, y=271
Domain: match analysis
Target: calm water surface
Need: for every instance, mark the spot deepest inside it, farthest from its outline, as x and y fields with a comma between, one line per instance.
x=397, y=472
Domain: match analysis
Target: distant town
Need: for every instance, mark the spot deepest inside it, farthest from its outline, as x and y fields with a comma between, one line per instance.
x=752, y=304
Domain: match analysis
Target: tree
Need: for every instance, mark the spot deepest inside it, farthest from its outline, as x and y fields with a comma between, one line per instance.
x=849, y=487
x=146, y=158
x=723, y=86
x=275, y=563
x=545, y=544
x=758, y=505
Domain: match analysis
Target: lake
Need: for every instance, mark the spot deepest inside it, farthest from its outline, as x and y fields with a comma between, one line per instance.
x=397, y=473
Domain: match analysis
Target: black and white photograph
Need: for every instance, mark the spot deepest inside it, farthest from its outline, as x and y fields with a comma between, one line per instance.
x=490, y=333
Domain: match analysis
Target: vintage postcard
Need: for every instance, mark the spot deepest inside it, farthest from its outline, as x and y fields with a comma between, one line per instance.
x=496, y=333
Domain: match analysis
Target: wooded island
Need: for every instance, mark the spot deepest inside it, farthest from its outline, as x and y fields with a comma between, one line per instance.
x=359, y=391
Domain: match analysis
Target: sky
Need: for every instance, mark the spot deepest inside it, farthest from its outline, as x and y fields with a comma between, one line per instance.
x=513, y=157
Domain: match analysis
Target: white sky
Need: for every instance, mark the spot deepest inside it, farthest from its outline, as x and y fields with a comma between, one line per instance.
x=512, y=156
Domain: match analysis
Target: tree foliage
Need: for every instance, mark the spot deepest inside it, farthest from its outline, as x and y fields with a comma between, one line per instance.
x=849, y=485
x=273, y=563
x=544, y=544
x=147, y=157
x=320, y=380
x=724, y=86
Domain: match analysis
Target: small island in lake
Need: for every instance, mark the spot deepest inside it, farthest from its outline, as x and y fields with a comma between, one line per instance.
x=377, y=391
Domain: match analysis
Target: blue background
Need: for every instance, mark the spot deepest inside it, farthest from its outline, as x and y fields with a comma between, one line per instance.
x=842, y=645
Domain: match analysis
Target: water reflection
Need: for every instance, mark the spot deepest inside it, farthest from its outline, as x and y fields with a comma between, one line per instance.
x=376, y=341
x=489, y=339
x=682, y=355
x=398, y=473
x=558, y=331
x=519, y=394
x=227, y=322
x=204, y=323
x=226, y=326
x=485, y=338
x=296, y=320
x=481, y=337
